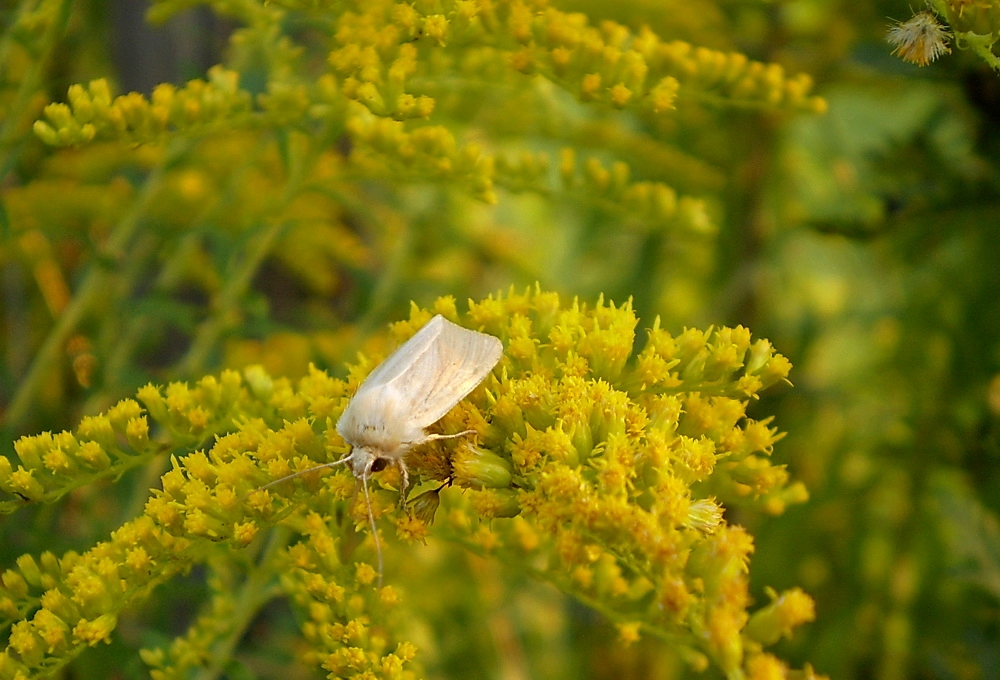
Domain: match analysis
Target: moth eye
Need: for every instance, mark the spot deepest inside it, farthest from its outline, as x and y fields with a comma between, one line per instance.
x=379, y=464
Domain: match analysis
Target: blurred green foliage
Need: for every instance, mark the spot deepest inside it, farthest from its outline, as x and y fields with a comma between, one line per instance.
x=281, y=213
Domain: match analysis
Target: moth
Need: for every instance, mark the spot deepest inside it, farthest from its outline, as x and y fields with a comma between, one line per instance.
x=411, y=390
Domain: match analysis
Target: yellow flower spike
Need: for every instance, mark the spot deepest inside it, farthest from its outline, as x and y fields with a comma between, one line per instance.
x=487, y=539
x=435, y=27
x=527, y=538
x=6, y=470
x=722, y=558
x=53, y=631
x=153, y=400
x=15, y=583
x=521, y=345
x=535, y=402
x=590, y=87
x=97, y=630
x=365, y=574
x=411, y=529
x=389, y=596
x=23, y=483
x=525, y=453
x=761, y=437
x=665, y=412
x=582, y=577
x=355, y=633
x=786, y=611
x=122, y=413
x=391, y=667
x=199, y=469
x=27, y=644
x=163, y=101
x=138, y=560
x=227, y=506
x=57, y=461
x=629, y=633
x=724, y=641
x=31, y=449
x=696, y=458
x=704, y=515
x=765, y=667
x=60, y=605
x=614, y=473
x=200, y=524
x=495, y=503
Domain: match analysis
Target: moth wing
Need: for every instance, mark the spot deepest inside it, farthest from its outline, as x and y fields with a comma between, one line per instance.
x=401, y=361
x=435, y=369
x=463, y=359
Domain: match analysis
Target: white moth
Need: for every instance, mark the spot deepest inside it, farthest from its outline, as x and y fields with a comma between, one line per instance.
x=412, y=389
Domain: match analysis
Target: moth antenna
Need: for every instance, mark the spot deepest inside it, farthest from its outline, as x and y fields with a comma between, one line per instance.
x=371, y=523
x=302, y=472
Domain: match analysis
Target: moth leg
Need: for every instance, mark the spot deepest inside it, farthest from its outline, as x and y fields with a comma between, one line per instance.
x=431, y=437
x=404, y=484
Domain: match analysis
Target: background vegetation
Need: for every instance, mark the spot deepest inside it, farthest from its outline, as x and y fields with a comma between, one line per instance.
x=283, y=209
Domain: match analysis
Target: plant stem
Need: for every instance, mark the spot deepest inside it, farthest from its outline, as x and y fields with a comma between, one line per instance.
x=90, y=293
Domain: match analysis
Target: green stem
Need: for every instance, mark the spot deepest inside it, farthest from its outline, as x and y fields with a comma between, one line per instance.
x=255, y=591
x=243, y=267
x=982, y=46
x=171, y=272
x=90, y=294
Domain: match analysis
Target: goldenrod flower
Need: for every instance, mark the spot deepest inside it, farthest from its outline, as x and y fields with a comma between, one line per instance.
x=604, y=469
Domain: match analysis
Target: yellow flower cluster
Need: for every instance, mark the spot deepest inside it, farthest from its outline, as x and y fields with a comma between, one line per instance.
x=613, y=466
x=981, y=17
x=599, y=469
x=608, y=64
x=81, y=596
x=200, y=106
x=107, y=445
x=426, y=153
x=393, y=63
x=51, y=465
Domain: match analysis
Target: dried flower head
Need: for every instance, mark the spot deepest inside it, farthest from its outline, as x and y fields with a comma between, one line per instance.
x=920, y=40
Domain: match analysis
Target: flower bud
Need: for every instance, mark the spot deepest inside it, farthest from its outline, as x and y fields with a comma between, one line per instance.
x=478, y=469
x=424, y=506
x=786, y=611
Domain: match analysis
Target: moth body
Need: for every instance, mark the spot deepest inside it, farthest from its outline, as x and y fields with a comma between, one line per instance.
x=377, y=430
x=412, y=389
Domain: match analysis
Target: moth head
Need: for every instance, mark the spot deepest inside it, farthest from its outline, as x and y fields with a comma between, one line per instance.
x=363, y=460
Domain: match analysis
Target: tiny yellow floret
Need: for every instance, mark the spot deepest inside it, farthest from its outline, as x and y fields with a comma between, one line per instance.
x=629, y=633
x=97, y=630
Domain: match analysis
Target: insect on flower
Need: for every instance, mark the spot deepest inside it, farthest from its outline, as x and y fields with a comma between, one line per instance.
x=412, y=389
